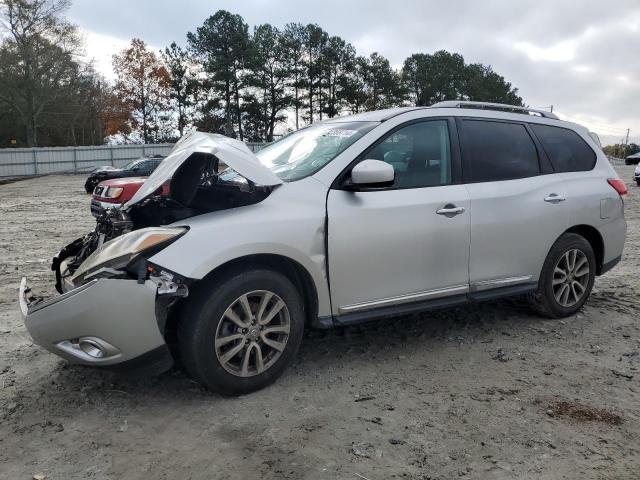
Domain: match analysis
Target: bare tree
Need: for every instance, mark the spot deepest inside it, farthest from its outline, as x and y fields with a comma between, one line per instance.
x=35, y=58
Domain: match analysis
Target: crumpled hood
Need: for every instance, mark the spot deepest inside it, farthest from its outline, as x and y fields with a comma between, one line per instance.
x=233, y=153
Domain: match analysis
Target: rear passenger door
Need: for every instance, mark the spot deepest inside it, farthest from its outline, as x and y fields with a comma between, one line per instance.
x=517, y=207
x=590, y=199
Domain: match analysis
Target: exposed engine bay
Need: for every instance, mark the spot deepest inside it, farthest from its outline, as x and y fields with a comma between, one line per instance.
x=197, y=187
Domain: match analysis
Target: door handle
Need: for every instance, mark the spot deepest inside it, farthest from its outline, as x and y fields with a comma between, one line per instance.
x=554, y=198
x=450, y=210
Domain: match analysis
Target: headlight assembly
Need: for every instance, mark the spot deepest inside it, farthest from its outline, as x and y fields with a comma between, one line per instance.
x=113, y=192
x=117, y=253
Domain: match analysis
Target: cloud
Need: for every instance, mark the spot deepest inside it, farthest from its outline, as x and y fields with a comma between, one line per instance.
x=582, y=57
x=560, y=52
x=99, y=50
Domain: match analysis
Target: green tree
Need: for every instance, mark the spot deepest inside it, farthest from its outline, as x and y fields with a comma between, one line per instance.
x=315, y=44
x=481, y=83
x=338, y=61
x=382, y=83
x=354, y=85
x=294, y=41
x=183, y=84
x=434, y=78
x=415, y=78
x=268, y=75
x=222, y=46
x=620, y=150
x=445, y=76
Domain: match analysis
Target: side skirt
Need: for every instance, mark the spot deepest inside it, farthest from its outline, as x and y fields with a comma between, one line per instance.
x=424, y=306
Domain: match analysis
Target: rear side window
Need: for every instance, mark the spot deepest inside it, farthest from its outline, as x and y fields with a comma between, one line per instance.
x=566, y=150
x=497, y=151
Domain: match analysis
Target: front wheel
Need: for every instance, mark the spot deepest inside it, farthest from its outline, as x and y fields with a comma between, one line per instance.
x=567, y=277
x=239, y=333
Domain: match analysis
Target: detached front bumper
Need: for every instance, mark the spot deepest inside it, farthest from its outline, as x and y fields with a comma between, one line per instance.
x=107, y=323
x=98, y=207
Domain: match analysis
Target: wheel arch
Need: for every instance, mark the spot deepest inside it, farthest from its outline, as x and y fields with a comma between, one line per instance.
x=293, y=270
x=593, y=236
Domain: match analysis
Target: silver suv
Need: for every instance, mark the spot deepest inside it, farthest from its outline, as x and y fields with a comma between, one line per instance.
x=355, y=218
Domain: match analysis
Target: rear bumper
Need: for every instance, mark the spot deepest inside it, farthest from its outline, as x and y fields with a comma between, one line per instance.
x=117, y=316
x=613, y=233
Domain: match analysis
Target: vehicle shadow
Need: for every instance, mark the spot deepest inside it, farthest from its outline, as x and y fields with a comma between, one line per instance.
x=321, y=350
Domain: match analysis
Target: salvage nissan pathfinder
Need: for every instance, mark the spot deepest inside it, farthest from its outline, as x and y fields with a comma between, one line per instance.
x=350, y=219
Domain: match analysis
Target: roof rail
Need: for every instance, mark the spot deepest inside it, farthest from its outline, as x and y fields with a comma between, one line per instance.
x=494, y=106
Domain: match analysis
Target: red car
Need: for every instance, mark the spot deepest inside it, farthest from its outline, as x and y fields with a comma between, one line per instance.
x=115, y=192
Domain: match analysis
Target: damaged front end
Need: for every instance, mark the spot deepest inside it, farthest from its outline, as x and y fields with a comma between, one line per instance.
x=204, y=174
x=111, y=224
x=114, y=302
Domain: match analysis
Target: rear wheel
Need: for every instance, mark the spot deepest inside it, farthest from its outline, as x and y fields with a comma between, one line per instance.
x=241, y=332
x=567, y=277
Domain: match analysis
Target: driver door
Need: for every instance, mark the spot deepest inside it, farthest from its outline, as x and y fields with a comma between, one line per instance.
x=408, y=242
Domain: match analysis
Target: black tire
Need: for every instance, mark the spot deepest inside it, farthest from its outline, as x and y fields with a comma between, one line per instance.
x=89, y=186
x=638, y=181
x=198, y=327
x=543, y=300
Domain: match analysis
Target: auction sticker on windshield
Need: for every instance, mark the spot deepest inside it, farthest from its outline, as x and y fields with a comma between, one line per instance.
x=340, y=132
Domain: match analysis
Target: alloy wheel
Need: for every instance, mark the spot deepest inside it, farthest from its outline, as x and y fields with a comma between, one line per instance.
x=252, y=333
x=570, y=277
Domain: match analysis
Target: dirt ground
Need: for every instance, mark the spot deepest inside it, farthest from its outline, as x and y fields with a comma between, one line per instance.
x=484, y=391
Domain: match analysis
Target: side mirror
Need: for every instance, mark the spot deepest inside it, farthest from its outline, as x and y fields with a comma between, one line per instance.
x=372, y=173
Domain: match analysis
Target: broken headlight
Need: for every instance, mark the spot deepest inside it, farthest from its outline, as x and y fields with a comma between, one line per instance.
x=119, y=252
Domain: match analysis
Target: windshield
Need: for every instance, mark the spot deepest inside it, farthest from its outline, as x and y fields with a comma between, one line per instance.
x=304, y=152
x=130, y=165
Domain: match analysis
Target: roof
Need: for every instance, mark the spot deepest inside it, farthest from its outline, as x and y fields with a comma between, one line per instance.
x=500, y=107
x=373, y=116
x=386, y=114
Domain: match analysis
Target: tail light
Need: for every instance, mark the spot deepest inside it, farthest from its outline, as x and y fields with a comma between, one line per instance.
x=618, y=185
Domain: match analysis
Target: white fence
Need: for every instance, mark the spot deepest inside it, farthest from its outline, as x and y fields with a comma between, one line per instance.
x=17, y=162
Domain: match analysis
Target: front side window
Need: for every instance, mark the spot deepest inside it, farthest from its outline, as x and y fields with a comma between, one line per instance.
x=306, y=151
x=419, y=154
x=495, y=151
x=566, y=150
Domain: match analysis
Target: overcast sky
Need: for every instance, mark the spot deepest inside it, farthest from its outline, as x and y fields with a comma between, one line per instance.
x=582, y=57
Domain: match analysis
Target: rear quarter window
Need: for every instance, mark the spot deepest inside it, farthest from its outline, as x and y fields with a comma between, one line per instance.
x=566, y=150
